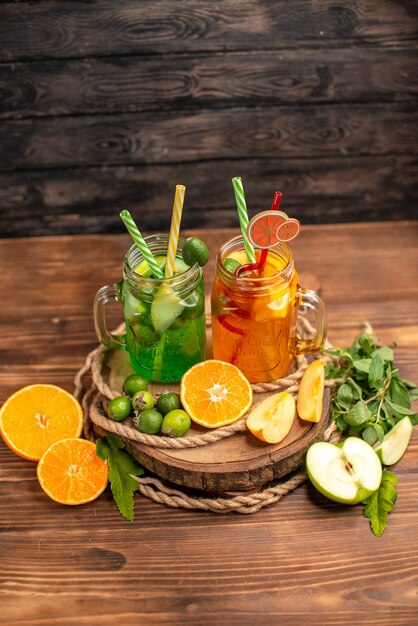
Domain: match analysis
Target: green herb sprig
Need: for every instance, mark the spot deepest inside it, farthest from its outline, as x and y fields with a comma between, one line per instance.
x=381, y=502
x=122, y=468
x=371, y=397
x=370, y=400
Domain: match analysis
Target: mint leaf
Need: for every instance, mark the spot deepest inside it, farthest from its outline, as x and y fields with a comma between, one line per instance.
x=373, y=433
x=365, y=343
x=356, y=389
x=341, y=423
x=358, y=414
x=413, y=394
x=381, y=502
x=369, y=434
x=399, y=393
x=400, y=411
x=362, y=365
x=409, y=384
x=379, y=432
x=385, y=353
x=121, y=469
x=345, y=397
x=376, y=370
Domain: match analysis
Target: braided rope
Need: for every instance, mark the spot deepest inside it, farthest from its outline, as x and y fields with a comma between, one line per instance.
x=155, y=490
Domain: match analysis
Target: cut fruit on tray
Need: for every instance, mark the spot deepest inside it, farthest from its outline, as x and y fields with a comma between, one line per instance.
x=311, y=392
x=215, y=393
x=272, y=419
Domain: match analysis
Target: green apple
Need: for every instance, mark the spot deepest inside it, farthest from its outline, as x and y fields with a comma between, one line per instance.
x=347, y=472
x=395, y=442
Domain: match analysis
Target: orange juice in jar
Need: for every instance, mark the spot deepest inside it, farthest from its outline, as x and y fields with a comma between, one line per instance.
x=254, y=316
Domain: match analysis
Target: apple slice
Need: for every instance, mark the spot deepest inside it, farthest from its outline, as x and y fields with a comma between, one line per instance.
x=349, y=472
x=165, y=308
x=272, y=419
x=395, y=442
x=311, y=392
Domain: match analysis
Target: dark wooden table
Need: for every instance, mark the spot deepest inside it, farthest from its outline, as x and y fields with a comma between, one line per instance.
x=304, y=560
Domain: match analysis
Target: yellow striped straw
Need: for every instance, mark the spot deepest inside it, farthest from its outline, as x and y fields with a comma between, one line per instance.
x=174, y=230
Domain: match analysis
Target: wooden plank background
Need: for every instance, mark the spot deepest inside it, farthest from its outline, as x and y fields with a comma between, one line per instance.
x=105, y=104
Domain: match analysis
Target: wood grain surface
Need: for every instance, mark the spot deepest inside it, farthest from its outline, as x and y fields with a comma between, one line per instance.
x=157, y=138
x=115, y=85
x=46, y=30
x=317, y=191
x=105, y=103
x=304, y=560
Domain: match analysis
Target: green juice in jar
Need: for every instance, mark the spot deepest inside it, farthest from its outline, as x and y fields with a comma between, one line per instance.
x=165, y=324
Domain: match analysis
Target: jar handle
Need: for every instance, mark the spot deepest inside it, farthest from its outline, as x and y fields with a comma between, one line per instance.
x=108, y=293
x=312, y=301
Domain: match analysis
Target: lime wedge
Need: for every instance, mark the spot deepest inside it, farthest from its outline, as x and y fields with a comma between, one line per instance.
x=144, y=269
x=180, y=266
x=395, y=442
x=166, y=307
x=231, y=265
x=238, y=255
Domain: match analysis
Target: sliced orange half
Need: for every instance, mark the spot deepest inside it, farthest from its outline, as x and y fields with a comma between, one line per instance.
x=215, y=393
x=37, y=416
x=70, y=472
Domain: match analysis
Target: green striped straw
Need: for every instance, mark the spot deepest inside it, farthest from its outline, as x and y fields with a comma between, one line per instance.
x=132, y=228
x=243, y=217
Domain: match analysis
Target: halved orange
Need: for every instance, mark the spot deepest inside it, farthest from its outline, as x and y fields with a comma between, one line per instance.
x=36, y=416
x=215, y=393
x=70, y=472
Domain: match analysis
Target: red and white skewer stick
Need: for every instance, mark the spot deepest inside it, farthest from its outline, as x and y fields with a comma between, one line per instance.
x=262, y=230
x=275, y=205
x=266, y=230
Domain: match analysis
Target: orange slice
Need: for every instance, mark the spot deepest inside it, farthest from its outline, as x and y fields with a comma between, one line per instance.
x=35, y=417
x=70, y=472
x=215, y=393
x=262, y=228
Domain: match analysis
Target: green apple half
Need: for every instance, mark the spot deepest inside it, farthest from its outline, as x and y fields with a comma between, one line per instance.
x=347, y=472
x=395, y=442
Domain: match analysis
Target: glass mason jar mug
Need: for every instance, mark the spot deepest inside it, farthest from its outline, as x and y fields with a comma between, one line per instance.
x=164, y=318
x=254, y=319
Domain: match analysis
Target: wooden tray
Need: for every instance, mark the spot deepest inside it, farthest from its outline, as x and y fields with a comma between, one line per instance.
x=237, y=463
